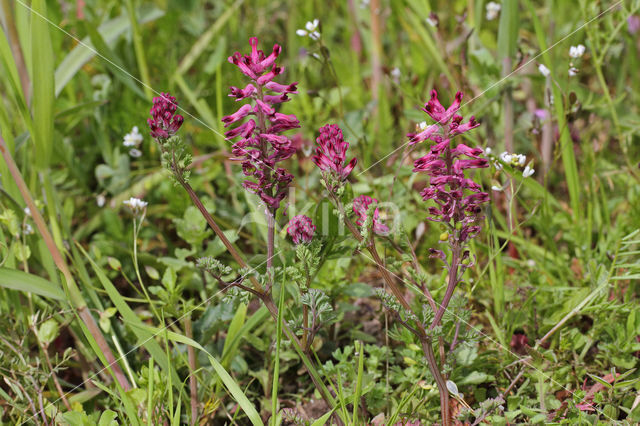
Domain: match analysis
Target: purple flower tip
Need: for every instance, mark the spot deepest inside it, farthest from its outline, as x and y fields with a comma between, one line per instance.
x=331, y=152
x=164, y=122
x=301, y=229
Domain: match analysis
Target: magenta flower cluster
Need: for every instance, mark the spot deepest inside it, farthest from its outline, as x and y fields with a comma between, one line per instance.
x=301, y=229
x=459, y=199
x=331, y=153
x=164, y=122
x=360, y=206
x=261, y=145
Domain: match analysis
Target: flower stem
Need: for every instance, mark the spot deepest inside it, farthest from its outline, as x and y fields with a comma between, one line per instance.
x=271, y=225
x=421, y=333
x=451, y=286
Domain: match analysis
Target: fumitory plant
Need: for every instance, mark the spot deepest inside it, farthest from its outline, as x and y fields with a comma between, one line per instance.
x=260, y=146
x=459, y=203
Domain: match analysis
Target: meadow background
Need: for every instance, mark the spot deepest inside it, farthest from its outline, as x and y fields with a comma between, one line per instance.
x=553, y=299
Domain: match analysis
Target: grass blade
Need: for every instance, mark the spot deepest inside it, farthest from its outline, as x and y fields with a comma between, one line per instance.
x=22, y=281
x=43, y=84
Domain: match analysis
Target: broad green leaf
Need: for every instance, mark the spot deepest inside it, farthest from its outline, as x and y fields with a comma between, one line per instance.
x=22, y=281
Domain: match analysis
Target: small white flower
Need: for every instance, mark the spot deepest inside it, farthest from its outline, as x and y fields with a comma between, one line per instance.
x=496, y=188
x=312, y=25
x=531, y=263
x=528, y=171
x=544, y=70
x=27, y=211
x=135, y=153
x=132, y=139
x=577, y=51
x=488, y=151
x=315, y=55
x=135, y=204
x=573, y=71
x=497, y=165
x=431, y=21
x=493, y=9
x=311, y=30
x=395, y=73
x=519, y=159
x=101, y=200
x=551, y=99
x=364, y=4
x=421, y=126
x=506, y=157
x=27, y=229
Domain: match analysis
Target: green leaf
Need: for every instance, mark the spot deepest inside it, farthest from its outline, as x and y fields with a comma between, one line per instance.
x=48, y=331
x=108, y=418
x=324, y=419
x=22, y=281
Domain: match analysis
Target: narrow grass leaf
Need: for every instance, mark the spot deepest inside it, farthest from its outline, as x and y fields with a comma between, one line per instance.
x=18, y=280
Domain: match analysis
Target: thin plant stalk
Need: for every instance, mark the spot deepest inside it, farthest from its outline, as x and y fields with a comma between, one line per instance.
x=193, y=380
x=420, y=332
x=75, y=296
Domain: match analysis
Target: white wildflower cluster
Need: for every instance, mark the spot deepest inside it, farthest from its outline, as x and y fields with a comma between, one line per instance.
x=493, y=10
x=311, y=30
x=135, y=204
x=514, y=160
x=575, y=52
x=133, y=140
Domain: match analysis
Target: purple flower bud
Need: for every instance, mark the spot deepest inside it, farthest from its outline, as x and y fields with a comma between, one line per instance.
x=164, y=122
x=301, y=229
x=331, y=152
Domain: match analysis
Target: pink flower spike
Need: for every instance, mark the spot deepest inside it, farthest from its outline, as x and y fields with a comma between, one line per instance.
x=301, y=229
x=238, y=115
x=360, y=206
